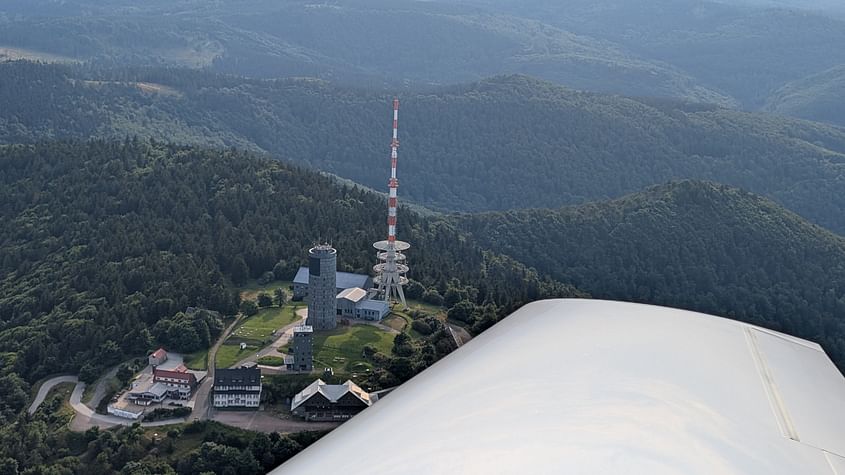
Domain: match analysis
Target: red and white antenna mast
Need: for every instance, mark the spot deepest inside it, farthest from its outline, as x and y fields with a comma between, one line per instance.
x=390, y=272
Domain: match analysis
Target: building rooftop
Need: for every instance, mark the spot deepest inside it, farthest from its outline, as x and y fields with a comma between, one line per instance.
x=332, y=392
x=345, y=280
x=237, y=377
x=354, y=294
x=588, y=386
x=159, y=353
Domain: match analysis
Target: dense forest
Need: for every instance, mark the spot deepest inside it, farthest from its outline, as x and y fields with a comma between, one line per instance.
x=693, y=245
x=497, y=144
x=105, y=239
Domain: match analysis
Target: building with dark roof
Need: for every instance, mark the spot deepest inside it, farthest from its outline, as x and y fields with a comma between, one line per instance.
x=237, y=388
x=330, y=402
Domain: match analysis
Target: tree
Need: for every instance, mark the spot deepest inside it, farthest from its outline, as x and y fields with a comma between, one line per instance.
x=249, y=308
x=124, y=374
x=264, y=300
x=266, y=278
x=463, y=311
x=280, y=297
x=89, y=373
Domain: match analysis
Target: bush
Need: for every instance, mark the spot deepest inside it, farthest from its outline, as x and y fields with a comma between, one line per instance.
x=264, y=300
x=266, y=278
x=162, y=413
x=433, y=297
x=249, y=308
x=422, y=327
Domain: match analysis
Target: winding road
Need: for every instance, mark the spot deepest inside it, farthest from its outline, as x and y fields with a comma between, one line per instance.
x=85, y=417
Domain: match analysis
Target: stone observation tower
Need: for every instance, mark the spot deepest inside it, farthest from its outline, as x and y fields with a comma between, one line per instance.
x=390, y=272
x=302, y=345
x=322, y=290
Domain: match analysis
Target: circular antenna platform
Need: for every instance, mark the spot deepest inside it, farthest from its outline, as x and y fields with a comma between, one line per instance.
x=397, y=245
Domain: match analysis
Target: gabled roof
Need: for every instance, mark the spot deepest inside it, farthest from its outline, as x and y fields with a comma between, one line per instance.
x=332, y=392
x=588, y=386
x=183, y=375
x=354, y=294
x=345, y=280
x=159, y=353
x=237, y=377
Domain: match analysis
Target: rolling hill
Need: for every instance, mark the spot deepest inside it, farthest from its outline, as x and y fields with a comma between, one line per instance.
x=692, y=245
x=819, y=96
x=501, y=143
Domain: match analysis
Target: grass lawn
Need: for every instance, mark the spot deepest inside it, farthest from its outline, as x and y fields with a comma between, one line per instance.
x=425, y=307
x=397, y=321
x=341, y=348
x=271, y=360
x=197, y=361
x=251, y=290
x=258, y=328
x=227, y=355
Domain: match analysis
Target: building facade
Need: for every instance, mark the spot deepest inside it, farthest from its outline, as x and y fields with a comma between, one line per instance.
x=356, y=303
x=237, y=388
x=303, y=348
x=330, y=402
x=322, y=287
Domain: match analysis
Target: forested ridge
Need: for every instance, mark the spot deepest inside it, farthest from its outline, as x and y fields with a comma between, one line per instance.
x=507, y=142
x=692, y=245
x=105, y=238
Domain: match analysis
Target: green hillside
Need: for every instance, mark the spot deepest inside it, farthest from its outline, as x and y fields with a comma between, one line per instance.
x=103, y=240
x=693, y=245
x=502, y=143
x=819, y=96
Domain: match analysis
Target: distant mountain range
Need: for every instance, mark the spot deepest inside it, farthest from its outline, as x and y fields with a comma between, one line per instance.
x=506, y=142
x=820, y=97
x=693, y=50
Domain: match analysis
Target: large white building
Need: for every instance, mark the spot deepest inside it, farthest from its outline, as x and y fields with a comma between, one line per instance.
x=596, y=387
x=237, y=388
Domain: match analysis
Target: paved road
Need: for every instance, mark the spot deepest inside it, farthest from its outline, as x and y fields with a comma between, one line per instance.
x=261, y=421
x=46, y=387
x=85, y=417
x=202, y=408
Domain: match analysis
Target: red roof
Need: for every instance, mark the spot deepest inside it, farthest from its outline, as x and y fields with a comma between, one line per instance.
x=159, y=353
x=162, y=373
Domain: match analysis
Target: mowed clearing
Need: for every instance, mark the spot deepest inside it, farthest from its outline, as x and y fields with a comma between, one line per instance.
x=341, y=349
x=260, y=327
